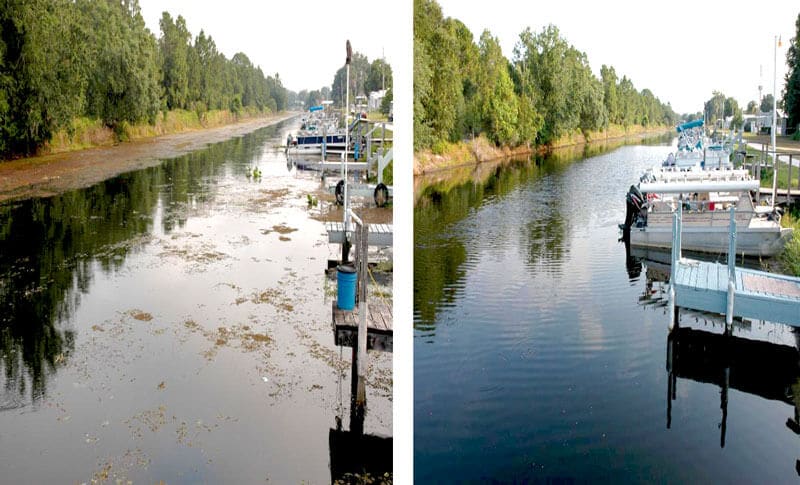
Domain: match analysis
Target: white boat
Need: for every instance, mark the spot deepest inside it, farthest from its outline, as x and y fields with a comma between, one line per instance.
x=318, y=132
x=696, y=150
x=706, y=197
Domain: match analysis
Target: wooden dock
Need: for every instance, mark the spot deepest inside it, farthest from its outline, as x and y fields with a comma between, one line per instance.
x=379, y=234
x=728, y=290
x=379, y=326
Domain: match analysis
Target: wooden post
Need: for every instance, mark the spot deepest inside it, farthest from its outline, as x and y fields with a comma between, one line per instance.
x=789, y=183
x=362, y=248
x=731, y=268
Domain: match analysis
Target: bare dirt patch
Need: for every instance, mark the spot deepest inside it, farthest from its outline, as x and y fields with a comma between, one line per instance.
x=57, y=173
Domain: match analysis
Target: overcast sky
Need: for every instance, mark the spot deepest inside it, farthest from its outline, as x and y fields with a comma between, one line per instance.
x=681, y=51
x=303, y=41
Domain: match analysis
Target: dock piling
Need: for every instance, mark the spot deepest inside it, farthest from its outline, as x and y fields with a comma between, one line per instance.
x=731, y=268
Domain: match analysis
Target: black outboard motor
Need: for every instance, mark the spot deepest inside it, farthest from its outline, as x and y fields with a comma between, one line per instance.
x=633, y=205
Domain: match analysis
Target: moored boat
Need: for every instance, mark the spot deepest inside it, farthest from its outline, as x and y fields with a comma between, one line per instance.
x=706, y=196
x=695, y=149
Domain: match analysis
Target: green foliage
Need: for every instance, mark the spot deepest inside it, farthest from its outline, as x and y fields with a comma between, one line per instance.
x=65, y=59
x=379, y=77
x=766, y=103
x=121, y=66
x=441, y=96
x=547, y=91
x=791, y=251
x=498, y=104
x=386, y=103
x=41, y=80
x=791, y=91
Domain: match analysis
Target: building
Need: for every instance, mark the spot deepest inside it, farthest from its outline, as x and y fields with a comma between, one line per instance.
x=375, y=99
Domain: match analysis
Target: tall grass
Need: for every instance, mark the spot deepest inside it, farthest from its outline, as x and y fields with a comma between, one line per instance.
x=87, y=133
x=791, y=252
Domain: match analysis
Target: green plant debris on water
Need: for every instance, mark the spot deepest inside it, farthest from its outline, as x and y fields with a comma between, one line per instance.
x=280, y=229
x=140, y=315
x=169, y=339
x=275, y=298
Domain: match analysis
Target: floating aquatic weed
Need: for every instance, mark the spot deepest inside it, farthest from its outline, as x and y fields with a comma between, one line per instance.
x=140, y=315
x=152, y=419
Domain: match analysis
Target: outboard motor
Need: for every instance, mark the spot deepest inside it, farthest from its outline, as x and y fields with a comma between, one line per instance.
x=634, y=201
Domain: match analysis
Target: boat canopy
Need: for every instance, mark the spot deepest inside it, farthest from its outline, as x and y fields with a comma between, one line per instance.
x=698, y=186
x=689, y=124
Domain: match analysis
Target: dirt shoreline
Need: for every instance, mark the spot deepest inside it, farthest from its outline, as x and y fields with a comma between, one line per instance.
x=49, y=175
x=480, y=150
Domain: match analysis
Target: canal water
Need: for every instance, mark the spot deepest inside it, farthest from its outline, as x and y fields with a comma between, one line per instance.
x=541, y=348
x=174, y=324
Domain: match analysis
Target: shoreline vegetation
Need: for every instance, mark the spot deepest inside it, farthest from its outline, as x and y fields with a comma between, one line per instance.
x=480, y=149
x=79, y=73
x=85, y=133
x=544, y=96
x=55, y=173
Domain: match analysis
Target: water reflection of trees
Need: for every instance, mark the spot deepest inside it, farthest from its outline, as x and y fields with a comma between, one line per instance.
x=50, y=250
x=443, y=199
x=439, y=254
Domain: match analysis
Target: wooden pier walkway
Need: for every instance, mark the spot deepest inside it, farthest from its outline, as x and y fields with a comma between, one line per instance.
x=379, y=326
x=728, y=290
x=379, y=234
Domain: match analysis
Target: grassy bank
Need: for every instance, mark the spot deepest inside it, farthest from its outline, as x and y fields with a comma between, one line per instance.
x=791, y=252
x=444, y=155
x=87, y=133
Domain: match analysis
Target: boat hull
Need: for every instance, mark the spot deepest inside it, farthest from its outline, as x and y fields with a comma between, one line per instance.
x=749, y=242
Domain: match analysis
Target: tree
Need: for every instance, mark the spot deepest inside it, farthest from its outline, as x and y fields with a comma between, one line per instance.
x=379, y=76
x=359, y=72
x=496, y=92
x=610, y=96
x=791, y=91
x=41, y=72
x=767, y=103
x=123, y=80
x=441, y=96
x=714, y=108
x=174, y=46
x=752, y=107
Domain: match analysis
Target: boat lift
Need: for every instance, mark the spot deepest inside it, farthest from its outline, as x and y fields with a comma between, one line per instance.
x=380, y=192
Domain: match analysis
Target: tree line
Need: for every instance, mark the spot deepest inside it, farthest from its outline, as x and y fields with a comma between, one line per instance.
x=365, y=77
x=545, y=91
x=721, y=107
x=63, y=59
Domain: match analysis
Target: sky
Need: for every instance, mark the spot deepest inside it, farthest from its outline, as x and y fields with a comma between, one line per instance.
x=681, y=51
x=304, y=41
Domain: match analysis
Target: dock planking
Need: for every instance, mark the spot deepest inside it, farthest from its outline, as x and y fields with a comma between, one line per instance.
x=755, y=294
x=379, y=326
x=379, y=234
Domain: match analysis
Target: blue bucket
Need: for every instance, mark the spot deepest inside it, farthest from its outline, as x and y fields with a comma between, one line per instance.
x=346, y=287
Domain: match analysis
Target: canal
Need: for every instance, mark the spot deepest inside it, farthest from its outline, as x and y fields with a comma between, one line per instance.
x=174, y=324
x=541, y=349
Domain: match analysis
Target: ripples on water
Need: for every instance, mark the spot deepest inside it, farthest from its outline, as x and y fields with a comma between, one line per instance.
x=540, y=350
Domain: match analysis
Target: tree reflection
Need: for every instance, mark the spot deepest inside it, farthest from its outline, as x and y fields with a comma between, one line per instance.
x=51, y=249
x=439, y=251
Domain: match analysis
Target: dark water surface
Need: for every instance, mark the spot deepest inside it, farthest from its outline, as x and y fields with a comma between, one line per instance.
x=542, y=354
x=174, y=324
